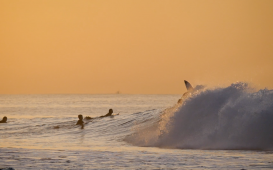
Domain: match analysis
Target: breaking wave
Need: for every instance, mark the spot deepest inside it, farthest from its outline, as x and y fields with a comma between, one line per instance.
x=233, y=117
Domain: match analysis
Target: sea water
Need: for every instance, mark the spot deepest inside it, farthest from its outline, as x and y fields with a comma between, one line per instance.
x=214, y=128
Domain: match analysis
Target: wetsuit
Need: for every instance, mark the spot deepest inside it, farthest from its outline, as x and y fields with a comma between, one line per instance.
x=4, y=120
x=80, y=122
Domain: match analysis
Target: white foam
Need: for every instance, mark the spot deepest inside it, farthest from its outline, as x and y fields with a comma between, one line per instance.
x=233, y=117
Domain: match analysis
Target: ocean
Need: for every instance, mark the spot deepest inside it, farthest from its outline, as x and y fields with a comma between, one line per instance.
x=214, y=128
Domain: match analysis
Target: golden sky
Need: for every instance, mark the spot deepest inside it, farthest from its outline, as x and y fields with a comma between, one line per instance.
x=135, y=46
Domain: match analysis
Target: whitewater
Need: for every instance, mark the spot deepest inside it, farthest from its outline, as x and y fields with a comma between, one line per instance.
x=213, y=128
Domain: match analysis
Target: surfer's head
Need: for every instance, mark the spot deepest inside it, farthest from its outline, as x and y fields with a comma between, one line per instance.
x=110, y=111
x=4, y=119
x=80, y=117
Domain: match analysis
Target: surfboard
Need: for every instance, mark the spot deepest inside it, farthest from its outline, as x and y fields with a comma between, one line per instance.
x=186, y=94
x=114, y=115
x=188, y=85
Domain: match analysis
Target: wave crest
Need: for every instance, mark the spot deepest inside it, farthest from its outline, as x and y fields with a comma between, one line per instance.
x=233, y=117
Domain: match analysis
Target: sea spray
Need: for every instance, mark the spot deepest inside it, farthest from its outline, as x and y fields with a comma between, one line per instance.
x=234, y=117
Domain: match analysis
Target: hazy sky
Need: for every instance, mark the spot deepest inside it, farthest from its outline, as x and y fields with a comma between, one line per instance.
x=135, y=46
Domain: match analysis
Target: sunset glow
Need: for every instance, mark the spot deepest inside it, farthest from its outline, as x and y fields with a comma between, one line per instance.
x=136, y=47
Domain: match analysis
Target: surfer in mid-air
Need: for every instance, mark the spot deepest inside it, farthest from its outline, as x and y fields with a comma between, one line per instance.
x=4, y=120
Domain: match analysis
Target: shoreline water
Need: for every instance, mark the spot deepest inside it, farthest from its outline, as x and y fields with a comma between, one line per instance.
x=144, y=158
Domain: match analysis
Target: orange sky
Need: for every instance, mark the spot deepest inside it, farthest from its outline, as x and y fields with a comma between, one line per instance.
x=143, y=46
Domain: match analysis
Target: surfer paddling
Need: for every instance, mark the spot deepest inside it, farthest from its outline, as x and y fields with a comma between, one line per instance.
x=109, y=113
x=4, y=120
x=88, y=118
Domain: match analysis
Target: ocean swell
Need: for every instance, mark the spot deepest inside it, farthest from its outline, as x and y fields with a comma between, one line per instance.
x=233, y=117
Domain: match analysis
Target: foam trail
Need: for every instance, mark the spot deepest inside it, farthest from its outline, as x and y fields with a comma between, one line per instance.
x=233, y=117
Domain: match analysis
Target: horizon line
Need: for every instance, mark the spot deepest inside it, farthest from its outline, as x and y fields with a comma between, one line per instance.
x=89, y=94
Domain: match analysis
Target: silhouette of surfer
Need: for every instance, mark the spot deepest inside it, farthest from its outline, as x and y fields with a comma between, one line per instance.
x=80, y=121
x=109, y=113
x=4, y=120
x=88, y=118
